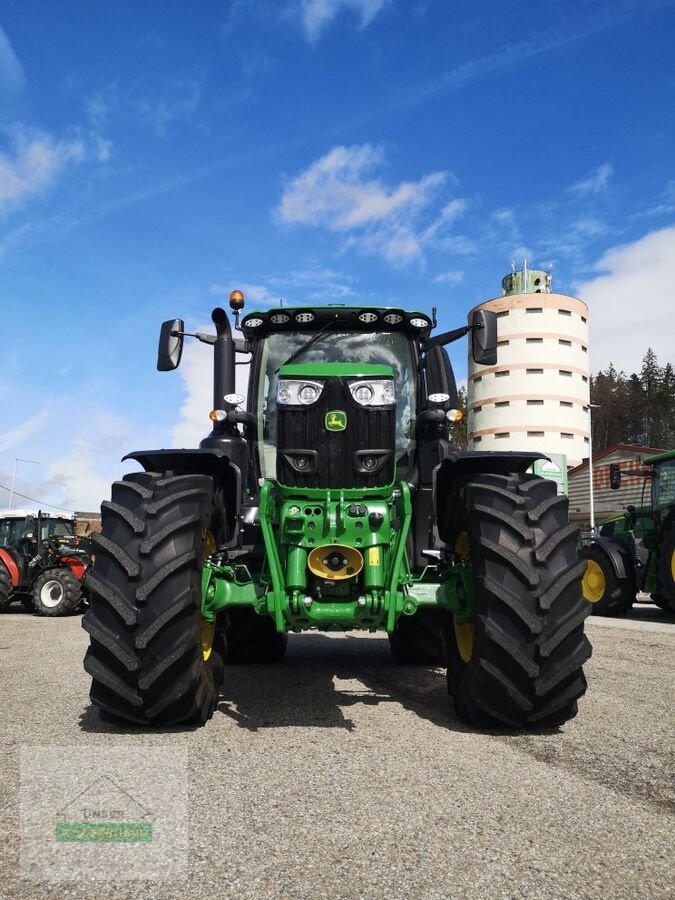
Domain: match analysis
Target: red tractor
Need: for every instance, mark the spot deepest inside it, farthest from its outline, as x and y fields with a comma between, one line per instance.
x=42, y=562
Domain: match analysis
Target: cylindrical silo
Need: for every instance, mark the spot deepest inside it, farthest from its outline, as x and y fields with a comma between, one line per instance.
x=536, y=397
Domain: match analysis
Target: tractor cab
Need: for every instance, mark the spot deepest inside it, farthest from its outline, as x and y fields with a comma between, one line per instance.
x=306, y=360
x=663, y=483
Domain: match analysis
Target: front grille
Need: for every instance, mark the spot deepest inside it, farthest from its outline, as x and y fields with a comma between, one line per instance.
x=308, y=455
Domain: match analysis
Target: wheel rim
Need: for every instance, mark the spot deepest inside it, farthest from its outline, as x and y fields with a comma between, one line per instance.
x=208, y=629
x=672, y=565
x=464, y=631
x=207, y=635
x=593, y=583
x=51, y=593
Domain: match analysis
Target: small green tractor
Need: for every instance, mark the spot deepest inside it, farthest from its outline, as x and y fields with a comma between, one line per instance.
x=335, y=500
x=635, y=551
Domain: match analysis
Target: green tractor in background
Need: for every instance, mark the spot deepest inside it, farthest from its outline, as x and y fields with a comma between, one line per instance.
x=335, y=500
x=635, y=551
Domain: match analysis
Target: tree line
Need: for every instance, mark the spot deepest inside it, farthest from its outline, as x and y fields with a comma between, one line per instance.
x=634, y=409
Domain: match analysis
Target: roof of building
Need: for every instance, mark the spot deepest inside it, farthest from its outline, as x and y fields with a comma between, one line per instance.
x=627, y=448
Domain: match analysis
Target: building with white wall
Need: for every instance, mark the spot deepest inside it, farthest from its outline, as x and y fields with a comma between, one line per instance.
x=536, y=397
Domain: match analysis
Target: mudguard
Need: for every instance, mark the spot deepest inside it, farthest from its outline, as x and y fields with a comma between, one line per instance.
x=203, y=461
x=460, y=466
x=619, y=556
x=76, y=566
x=9, y=562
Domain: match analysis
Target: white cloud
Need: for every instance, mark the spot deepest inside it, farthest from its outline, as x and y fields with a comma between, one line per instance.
x=315, y=15
x=336, y=192
x=11, y=240
x=595, y=182
x=448, y=215
x=452, y=277
x=11, y=70
x=316, y=283
x=177, y=100
x=80, y=484
x=20, y=433
x=83, y=466
x=630, y=302
x=34, y=164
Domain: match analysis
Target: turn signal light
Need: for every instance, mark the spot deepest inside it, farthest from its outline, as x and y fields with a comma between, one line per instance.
x=454, y=415
x=217, y=415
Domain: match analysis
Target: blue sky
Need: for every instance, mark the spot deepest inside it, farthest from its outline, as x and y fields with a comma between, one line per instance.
x=155, y=155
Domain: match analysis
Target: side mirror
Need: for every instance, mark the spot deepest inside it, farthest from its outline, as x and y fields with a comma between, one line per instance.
x=484, y=337
x=170, y=347
x=614, y=476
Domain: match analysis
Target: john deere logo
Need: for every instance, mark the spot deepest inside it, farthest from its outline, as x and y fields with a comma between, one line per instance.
x=336, y=421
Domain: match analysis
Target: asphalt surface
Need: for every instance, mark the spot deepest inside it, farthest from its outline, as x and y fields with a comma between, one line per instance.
x=337, y=774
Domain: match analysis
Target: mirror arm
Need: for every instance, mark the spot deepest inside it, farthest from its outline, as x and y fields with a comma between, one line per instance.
x=204, y=338
x=446, y=338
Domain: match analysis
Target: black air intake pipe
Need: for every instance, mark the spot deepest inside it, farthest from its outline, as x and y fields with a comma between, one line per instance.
x=223, y=359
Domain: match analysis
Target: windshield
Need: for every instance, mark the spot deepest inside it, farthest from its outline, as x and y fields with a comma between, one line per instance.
x=56, y=528
x=386, y=348
x=663, y=486
x=13, y=530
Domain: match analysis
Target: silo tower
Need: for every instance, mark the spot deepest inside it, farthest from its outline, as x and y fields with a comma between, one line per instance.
x=536, y=397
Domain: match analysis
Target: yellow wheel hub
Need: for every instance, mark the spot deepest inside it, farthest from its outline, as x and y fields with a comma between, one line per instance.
x=593, y=584
x=672, y=566
x=209, y=545
x=464, y=631
x=207, y=636
x=464, y=638
x=208, y=630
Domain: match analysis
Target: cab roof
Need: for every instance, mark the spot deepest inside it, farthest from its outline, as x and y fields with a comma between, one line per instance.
x=348, y=318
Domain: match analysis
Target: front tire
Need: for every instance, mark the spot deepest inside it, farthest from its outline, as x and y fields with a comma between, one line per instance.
x=56, y=592
x=146, y=657
x=518, y=661
x=665, y=593
x=608, y=594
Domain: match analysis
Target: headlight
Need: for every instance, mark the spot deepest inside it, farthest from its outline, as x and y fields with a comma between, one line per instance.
x=292, y=392
x=380, y=392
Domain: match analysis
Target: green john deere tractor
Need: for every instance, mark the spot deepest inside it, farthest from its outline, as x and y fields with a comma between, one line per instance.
x=635, y=551
x=334, y=501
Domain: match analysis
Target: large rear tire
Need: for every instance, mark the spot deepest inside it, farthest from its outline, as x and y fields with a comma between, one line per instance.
x=56, y=592
x=665, y=592
x=418, y=640
x=518, y=662
x=152, y=658
x=608, y=594
x=5, y=588
x=252, y=638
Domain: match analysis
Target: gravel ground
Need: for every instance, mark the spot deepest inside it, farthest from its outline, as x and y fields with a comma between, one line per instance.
x=337, y=774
